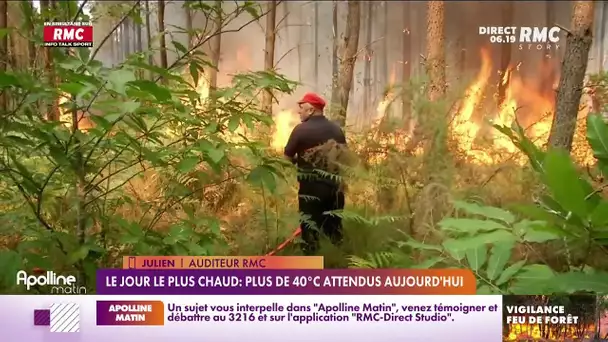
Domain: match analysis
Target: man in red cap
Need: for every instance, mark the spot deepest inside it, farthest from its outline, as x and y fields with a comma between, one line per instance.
x=312, y=146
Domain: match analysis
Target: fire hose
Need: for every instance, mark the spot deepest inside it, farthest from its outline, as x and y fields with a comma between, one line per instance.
x=289, y=240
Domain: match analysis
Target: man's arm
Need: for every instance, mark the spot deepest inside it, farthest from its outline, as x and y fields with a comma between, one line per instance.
x=291, y=148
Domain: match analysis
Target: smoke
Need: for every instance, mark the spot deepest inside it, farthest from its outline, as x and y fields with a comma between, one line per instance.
x=300, y=29
x=305, y=38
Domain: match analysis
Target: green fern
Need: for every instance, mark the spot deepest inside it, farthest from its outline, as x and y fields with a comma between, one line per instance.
x=374, y=260
x=372, y=221
x=349, y=216
x=319, y=175
x=308, y=198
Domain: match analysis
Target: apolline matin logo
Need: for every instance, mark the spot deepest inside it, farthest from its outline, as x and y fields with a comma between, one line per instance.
x=60, y=284
x=63, y=318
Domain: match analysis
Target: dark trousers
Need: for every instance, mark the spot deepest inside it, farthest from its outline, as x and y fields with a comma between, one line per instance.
x=315, y=199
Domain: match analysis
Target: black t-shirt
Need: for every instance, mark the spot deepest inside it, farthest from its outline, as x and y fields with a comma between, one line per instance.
x=316, y=144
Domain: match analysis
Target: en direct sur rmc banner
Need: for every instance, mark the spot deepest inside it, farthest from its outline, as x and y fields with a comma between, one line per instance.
x=286, y=299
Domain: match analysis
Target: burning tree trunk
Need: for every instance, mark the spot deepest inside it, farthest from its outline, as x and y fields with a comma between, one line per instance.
x=574, y=66
x=216, y=46
x=4, y=49
x=405, y=63
x=271, y=18
x=435, y=42
x=367, y=77
x=161, y=31
x=505, y=52
x=347, y=61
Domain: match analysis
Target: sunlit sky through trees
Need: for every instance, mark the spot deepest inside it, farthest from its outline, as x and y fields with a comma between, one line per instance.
x=85, y=10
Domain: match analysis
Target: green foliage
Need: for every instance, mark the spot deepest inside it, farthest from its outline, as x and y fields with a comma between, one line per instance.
x=378, y=260
x=571, y=215
x=598, y=84
x=64, y=189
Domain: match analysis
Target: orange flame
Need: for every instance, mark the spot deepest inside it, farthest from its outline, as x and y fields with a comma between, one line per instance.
x=464, y=128
x=518, y=332
x=528, y=102
x=389, y=98
x=284, y=121
x=531, y=102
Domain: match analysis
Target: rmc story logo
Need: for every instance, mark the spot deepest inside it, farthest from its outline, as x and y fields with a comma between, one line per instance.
x=526, y=38
x=60, y=284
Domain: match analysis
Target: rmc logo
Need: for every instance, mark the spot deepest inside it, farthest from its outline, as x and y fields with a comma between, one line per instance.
x=60, y=284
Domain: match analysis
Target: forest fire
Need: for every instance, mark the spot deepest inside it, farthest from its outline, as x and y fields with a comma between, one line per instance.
x=284, y=122
x=521, y=101
x=464, y=129
x=535, y=332
x=389, y=96
x=532, y=103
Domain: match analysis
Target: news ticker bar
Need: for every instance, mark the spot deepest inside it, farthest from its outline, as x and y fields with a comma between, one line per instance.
x=273, y=275
x=457, y=318
x=284, y=281
x=516, y=310
x=252, y=318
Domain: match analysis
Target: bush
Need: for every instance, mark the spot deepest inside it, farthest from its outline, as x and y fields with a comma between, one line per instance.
x=67, y=196
x=571, y=216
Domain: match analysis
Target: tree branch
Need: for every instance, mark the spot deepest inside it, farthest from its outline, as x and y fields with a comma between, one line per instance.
x=80, y=9
x=122, y=20
x=206, y=39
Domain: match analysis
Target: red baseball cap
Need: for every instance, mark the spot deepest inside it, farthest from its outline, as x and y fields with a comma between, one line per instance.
x=313, y=100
